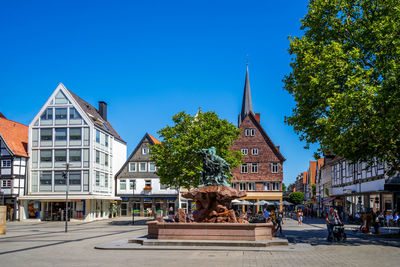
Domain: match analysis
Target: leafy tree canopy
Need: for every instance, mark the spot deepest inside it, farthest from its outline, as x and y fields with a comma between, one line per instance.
x=176, y=159
x=296, y=198
x=345, y=79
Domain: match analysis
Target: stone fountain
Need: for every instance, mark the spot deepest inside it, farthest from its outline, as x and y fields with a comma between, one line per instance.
x=213, y=219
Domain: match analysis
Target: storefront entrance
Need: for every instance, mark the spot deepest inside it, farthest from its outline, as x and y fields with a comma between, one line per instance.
x=55, y=211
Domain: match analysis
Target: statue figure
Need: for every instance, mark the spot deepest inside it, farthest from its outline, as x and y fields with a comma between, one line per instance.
x=215, y=168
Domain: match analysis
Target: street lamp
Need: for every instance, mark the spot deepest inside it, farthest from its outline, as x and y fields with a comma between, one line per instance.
x=66, y=177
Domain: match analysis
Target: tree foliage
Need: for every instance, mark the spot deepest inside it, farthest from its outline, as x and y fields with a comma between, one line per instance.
x=345, y=79
x=176, y=159
x=296, y=198
x=314, y=190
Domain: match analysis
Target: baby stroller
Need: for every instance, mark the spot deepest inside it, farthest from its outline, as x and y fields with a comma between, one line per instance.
x=338, y=233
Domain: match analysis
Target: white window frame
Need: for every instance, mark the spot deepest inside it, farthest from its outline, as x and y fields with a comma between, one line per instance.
x=6, y=183
x=150, y=170
x=145, y=150
x=130, y=167
x=274, y=167
x=254, y=151
x=244, y=165
x=252, y=132
x=251, y=186
x=244, y=151
x=146, y=182
x=247, y=132
x=267, y=186
x=145, y=167
x=6, y=163
x=122, y=181
x=242, y=186
x=254, y=164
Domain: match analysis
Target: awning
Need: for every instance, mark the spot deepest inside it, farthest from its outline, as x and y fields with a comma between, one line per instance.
x=393, y=184
x=326, y=201
x=70, y=197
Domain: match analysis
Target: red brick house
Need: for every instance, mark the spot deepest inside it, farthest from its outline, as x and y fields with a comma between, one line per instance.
x=261, y=173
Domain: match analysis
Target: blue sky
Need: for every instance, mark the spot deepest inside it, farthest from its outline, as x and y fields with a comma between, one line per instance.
x=151, y=59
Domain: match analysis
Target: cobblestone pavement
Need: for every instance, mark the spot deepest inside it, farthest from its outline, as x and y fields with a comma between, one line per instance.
x=45, y=244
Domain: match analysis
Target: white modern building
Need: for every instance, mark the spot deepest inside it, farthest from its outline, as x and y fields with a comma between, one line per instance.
x=140, y=188
x=69, y=130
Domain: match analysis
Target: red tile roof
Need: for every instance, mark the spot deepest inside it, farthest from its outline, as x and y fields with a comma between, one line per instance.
x=15, y=135
x=305, y=177
x=154, y=139
x=313, y=171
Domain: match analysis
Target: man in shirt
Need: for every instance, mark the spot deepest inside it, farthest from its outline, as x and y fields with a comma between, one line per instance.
x=266, y=214
x=331, y=219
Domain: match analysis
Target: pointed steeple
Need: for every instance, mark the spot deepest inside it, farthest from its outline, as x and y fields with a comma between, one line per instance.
x=247, y=104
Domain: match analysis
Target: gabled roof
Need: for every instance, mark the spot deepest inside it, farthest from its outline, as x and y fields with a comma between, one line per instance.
x=266, y=137
x=95, y=116
x=152, y=142
x=313, y=171
x=15, y=135
x=247, y=103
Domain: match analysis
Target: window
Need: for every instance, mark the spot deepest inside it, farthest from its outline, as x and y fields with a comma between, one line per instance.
x=132, y=166
x=267, y=187
x=46, y=137
x=59, y=178
x=60, y=98
x=106, y=140
x=122, y=184
x=275, y=186
x=145, y=150
x=47, y=117
x=98, y=179
x=45, y=181
x=254, y=167
x=254, y=151
x=75, y=136
x=97, y=136
x=142, y=167
x=252, y=132
x=6, y=163
x=251, y=186
x=242, y=186
x=61, y=116
x=105, y=159
x=152, y=167
x=45, y=177
x=244, y=151
x=6, y=183
x=247, y=132
x=132, y=184
x=75, y=155
x=97, y=156
x=147, y=183
x=60, y=137
x=60, y=157
x=244, y=168
x=35, y=137
x=75, y=180
x=274, y=167
x=74, y=116
x=45, y=158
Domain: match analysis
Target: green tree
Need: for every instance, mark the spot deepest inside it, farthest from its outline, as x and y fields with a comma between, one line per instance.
x=345, y=79
x=296, y=198
x=283, y=188
x=314, y=190
x=176, y=159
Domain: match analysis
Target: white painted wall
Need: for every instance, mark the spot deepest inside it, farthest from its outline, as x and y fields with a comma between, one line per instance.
x=376, y=185
x=140, y=183
x=119, y=151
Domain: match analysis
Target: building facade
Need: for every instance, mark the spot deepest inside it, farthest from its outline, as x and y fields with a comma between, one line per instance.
x=13, y=161
x=261, y=172
x=67, y=129
x=140, y=188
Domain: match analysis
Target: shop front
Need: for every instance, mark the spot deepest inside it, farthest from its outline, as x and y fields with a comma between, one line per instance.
x=147, y=206
x=56, y=211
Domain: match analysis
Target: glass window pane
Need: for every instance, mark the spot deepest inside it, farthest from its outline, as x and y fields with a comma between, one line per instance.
x=74, y=155
x=61, y=116
x=74, y=117
x=60, y=137
x=46, y=137
x=45, y=158
x=45, y=181
x=47, y=117
x=75, y=180
x=61, y=98
x=85, y=181
x=75, y=136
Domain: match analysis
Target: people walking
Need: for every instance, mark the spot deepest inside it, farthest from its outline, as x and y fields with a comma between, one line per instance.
x=332, y=219
x=299, y=216
x=279, y=222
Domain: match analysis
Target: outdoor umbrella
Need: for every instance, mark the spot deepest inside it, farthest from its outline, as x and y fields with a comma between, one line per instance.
x=235, y=201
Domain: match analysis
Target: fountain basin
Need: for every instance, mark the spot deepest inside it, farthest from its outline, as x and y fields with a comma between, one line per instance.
x=211, y=231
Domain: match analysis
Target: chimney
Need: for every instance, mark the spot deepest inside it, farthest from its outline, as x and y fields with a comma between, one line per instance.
x=257, y=115
x=103, y=110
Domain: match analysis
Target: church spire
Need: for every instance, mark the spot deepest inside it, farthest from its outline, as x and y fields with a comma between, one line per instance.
x=247, y=104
